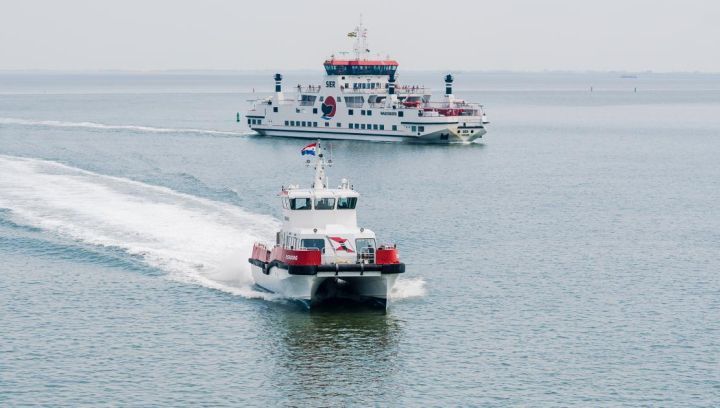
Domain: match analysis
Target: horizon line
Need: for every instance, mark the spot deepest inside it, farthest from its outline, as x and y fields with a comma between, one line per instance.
x=308, y=70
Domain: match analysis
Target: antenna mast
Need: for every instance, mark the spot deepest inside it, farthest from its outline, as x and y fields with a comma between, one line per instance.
x=361, y=47
x=320, y=180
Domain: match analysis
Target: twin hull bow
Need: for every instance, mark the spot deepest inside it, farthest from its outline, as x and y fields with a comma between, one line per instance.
x=312, y=290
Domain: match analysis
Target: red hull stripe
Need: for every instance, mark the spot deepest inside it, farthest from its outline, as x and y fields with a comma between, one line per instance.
x=305, y=257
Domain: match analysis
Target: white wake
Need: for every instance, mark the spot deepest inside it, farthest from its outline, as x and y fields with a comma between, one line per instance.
x=407, y=288
x=101, y=126
x=193, y=239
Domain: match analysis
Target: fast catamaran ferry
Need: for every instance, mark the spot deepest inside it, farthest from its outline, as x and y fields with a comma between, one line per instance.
x=360, y=99
x=321, y=253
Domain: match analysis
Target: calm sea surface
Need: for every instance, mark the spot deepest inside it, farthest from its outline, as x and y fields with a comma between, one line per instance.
x=571, y=258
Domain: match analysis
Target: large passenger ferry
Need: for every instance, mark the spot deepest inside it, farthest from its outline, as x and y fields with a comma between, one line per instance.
x=361, y=99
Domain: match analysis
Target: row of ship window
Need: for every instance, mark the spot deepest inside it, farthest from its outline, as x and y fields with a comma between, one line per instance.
x=363, y=112
x=328, y=203
x=363, y=126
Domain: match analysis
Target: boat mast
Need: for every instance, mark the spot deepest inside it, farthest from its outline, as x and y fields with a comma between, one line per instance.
x=320, y=180
x=360, y=47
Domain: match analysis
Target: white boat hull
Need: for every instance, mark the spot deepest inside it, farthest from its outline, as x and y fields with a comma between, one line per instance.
x=448, y=135
x=315, y=289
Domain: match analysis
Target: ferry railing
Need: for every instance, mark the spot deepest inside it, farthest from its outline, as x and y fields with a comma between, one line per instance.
x=411, y=89
x=309, y=88
x=464, y=106
x=383, y=90
x=363, y=90
x=366, y=255
x=428, y=108
x=454, y=104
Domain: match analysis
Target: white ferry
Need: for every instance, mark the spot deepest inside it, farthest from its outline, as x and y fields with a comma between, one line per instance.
x=360, y=99
x=320, y=253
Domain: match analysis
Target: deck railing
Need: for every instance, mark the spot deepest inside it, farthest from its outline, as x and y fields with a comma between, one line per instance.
x=457, y=108
x=366, y=256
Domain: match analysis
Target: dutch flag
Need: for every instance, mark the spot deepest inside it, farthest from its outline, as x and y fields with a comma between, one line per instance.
x=309, y=149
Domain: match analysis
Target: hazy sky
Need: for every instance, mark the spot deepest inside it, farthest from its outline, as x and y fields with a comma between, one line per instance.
x=278, y=34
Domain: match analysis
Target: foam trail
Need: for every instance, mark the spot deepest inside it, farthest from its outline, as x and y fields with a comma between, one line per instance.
x=93, y=125
x=406, y=288
x=194, y=239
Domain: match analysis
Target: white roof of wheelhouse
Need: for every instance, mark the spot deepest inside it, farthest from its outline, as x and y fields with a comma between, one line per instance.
x=311, y=192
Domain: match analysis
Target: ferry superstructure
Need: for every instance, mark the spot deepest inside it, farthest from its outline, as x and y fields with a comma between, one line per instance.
x=360, y=99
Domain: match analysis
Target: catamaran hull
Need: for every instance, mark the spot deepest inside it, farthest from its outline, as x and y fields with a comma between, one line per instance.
x=371, y=287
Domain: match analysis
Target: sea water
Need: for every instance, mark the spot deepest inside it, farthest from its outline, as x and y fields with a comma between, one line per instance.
x=571, y=257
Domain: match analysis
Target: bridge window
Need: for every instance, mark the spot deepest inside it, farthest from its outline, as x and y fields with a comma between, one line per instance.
x=318, y=243
x=346, y=203
x=324, y=203
x=302, y=203
x=333, y=69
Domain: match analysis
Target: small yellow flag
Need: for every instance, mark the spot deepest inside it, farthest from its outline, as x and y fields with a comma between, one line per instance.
x=353, y=34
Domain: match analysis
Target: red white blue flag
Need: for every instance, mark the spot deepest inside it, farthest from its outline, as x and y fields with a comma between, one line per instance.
x=309, y=149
